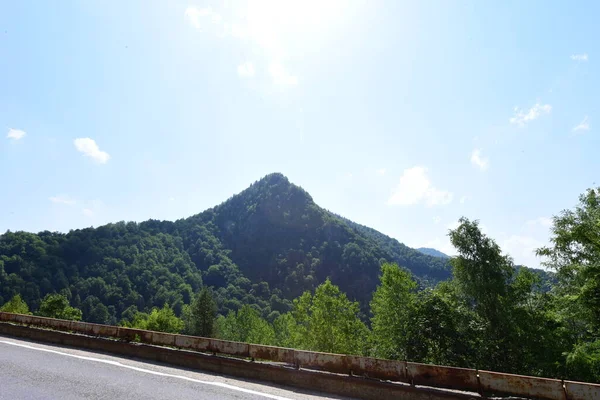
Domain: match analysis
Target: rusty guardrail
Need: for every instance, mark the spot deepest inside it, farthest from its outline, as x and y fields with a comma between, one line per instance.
x=483, y=382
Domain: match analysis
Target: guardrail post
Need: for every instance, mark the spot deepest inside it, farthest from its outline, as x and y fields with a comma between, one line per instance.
x=479, y=388
x=564, y=387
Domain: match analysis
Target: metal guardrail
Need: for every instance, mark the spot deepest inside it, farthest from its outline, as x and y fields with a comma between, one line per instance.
x=483, y=382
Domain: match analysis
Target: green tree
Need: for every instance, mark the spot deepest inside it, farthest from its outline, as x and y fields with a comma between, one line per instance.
x=482, y=274
x=286, y=331
x=575, y=255
x=481, y=270
x=57, y=306
x=437, y=331
x=15, y=305
x=392, y=307
x=328, y=322
x=200, y=318
x=159, y=319
x=245, y=325
x=583, y=362
x=511, y=326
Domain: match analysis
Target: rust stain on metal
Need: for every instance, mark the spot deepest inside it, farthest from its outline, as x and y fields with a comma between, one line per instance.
x=232, y=348
x=162, y=339
x=542, y=388
x=107, y=330
x=391, y=370
x=201, y=344
x=271, y=353
x=441, y=376
x=184, y=342
x=129, y=334
x=582, y=391
x=322, y=361
x=192, y=343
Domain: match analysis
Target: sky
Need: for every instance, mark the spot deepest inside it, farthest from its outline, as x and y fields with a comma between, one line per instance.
x=402, y=116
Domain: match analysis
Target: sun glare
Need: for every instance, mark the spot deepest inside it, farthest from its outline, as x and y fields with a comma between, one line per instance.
x=273, y=22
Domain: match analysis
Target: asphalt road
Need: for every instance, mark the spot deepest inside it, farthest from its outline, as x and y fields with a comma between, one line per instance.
x=34, y=371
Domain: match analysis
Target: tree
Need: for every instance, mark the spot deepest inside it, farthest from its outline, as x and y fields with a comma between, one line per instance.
x=245, y=325
x=481, y=270
x=392, y=308
x=159, y=319
x=510, y=325
x=327, y=322
x=57, y=306
x=575, y=255
x=437, y=331
x=583, y=362
x=15, y=305
x=200, y=318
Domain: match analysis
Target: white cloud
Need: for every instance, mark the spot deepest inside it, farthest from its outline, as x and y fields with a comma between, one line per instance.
x=280, y=75
x=436, y=219
x=579, y=57
x=87, y=212
x=62, y=199
x=583, y=125
x=521, y=117
x=545, y=222
x=415, y=187
x=89, y=148
x=16, y=134
x=481, y=162
x=463, y=199
x=246, y=70
x=196, y=15
x=381, y=171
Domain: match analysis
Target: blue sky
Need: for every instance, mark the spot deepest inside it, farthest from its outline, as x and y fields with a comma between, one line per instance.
x=402, y=116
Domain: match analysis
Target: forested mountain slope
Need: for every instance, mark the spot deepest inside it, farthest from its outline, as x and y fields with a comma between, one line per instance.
x=432, y=252
x=263, y=246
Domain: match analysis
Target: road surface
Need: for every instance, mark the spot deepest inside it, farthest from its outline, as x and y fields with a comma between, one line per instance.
x=32, y=371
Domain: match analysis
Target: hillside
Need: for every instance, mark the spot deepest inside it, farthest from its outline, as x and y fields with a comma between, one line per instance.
x=263, y=246
x=432, y=252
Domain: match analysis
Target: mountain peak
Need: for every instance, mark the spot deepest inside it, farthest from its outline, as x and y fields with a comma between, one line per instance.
x=274, y=178
x=275, y=185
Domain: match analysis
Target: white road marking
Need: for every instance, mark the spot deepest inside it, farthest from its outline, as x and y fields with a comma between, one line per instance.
x=147, y=371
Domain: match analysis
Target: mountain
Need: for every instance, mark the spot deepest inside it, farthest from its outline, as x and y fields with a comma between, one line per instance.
x=432, y=252
x=263, y=246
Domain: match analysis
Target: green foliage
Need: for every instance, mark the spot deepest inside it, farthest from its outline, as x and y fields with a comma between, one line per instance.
x=15, y=305
x=245, y=325
x=392, y=307
x=583, y=363
x=327, y=322
x=160, y=320
x=575, y=255
x=481, y=270
x=201, y=314
x=57, y=306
